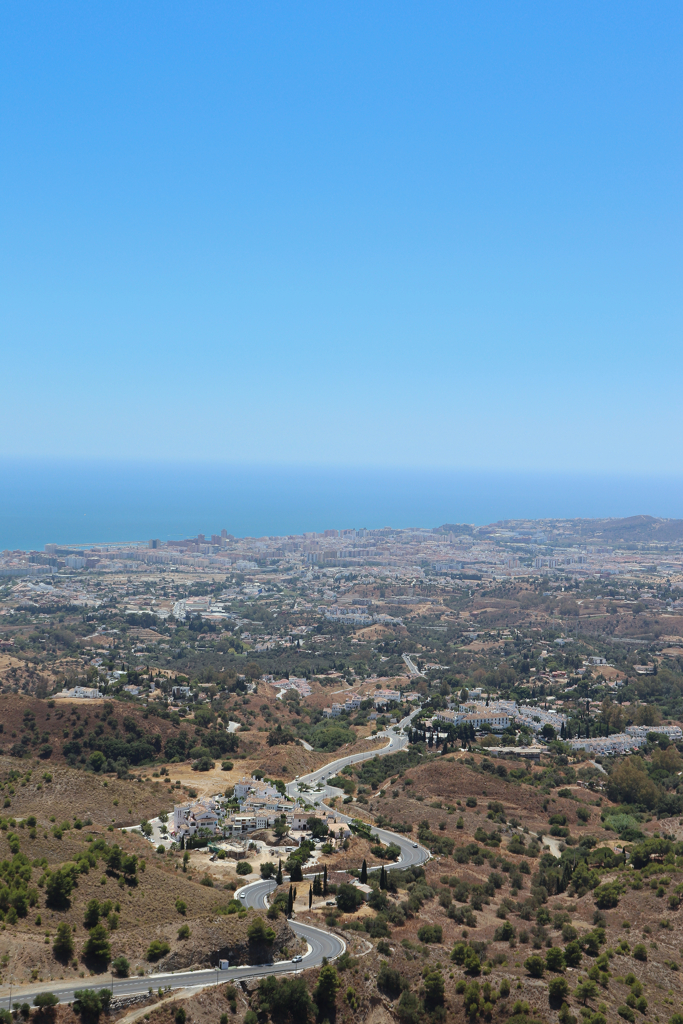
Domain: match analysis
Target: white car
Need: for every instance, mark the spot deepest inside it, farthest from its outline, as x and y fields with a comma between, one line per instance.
x=415, y=846
x=243, y=896
x=297, y=959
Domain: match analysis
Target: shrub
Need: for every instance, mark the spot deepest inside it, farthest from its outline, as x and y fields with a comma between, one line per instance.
x=504, y=933
x=180, y=1016
x=430, y=933
x=181, y=906
x=389, y=981
x=156, y=949
x=259, y=931
x=535, y=965
x=184, y=932
x=243, y=867
x=639, y=952
x=89, y=1004
x=45, y=1000
x=458, y=953
x=286, y=998
x=121, y=966
x=472, y=964
x=607, y=896
x=268, y=870
x=627, y=1013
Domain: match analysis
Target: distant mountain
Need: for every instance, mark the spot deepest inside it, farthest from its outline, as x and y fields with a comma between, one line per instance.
x=633, y=529
x=454, y=528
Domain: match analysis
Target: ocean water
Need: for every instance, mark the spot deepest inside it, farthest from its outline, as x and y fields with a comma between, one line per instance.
x=87, y=502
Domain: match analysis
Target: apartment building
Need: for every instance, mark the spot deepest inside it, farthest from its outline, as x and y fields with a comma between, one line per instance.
x=672, y=731
x=619, y=743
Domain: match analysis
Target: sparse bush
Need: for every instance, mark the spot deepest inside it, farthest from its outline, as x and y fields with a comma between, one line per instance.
x=156, y=949
x=121, y=966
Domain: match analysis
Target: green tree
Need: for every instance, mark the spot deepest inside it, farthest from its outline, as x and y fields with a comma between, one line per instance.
x=573, y=954
x=326, y=990
x=535, y=965
x=629, y=783
x=558, y=991
x=92, y=913
x=97, y=761
x=45, y=1000
x=389, y=981
x=348, y=898
x=364, y=873
x=89, y=1004
x=97, y=947
x=259, y=931
x=59, y=885
x=63, y=946
x=585, y=990
x=287, y=999
x=607, y=896
x=318, y=828
x=433, y=988
x=408, y=1009
x=554, y=960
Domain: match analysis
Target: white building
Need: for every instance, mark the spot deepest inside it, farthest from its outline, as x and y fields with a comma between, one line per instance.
x=619, y=743
x=672, y=731
x=87, y=692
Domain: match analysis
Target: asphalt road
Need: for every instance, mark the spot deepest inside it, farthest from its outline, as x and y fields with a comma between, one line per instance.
x=411, y=853
x=321, y=943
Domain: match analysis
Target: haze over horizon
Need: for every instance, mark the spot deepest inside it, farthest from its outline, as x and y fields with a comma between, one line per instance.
x=391, y=235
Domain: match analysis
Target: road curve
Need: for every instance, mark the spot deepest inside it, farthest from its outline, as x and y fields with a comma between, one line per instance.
x=322, y=944
x=412, y=854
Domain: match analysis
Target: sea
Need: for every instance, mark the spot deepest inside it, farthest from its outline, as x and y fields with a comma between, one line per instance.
x=78, y=502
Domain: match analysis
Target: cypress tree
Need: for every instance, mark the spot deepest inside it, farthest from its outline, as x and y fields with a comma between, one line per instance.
x=278, y=877
x=290, y=902
x=310, y=896
x=325, y=880
x=364, y=873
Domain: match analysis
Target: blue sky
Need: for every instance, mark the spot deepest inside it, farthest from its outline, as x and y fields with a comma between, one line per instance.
x=445, y=235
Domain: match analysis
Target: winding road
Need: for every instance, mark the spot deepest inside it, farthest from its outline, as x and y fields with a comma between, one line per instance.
x=321, y=943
